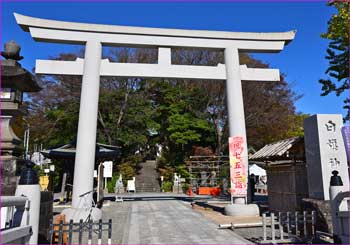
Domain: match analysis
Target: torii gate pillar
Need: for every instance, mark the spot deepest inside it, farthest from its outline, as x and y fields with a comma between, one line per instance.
x=235, y=106
x=87, y=125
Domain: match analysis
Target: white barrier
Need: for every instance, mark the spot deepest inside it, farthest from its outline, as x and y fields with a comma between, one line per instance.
x=16, y=229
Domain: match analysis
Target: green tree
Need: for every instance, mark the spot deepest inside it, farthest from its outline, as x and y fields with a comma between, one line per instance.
x=182, y=118
x=338, y=53
x=296, y=125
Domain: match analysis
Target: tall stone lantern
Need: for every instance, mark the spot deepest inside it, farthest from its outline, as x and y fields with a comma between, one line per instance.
x=14, y=81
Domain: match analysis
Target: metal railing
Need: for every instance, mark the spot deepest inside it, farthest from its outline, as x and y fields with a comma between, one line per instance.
x=288, y=227
x=63, y=233
x=15, y=209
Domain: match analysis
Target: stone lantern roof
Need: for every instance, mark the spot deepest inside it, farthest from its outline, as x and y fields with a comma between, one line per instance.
x=12, y=73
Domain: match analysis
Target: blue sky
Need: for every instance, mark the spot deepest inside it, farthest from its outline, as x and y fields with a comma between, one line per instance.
x=302, y=61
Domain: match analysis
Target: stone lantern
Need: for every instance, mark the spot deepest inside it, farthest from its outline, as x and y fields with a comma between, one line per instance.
x=14, y=81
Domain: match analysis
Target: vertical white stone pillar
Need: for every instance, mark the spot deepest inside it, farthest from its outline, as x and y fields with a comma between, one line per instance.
x=32, y=192
x=86, y=139
x=235, y=109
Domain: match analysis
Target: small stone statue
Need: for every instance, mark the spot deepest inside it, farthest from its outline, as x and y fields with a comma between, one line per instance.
x=176, y=178
x=212, y=181
x=204, y=178
x=119, y=184
x=12, y=50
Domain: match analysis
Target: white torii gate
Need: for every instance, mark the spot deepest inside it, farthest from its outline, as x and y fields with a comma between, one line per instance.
x=93, y=36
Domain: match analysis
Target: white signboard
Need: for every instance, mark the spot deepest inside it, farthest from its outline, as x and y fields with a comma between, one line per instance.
x=108, y=169
x=131, y=186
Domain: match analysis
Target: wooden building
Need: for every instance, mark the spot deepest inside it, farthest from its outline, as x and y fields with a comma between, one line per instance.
x=285, y=164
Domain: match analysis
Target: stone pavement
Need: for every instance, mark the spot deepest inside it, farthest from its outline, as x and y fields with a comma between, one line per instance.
x=164, y=222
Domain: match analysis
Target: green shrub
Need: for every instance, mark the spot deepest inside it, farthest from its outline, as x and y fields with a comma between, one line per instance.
x=185, y=187
x=167, y=186
x=162, y=161
x=134, y=160
x=167, y=173
x=127, y=171
x=183, y=171
x=111, y=183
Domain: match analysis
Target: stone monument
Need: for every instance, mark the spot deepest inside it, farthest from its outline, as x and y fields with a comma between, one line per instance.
x=325, y=152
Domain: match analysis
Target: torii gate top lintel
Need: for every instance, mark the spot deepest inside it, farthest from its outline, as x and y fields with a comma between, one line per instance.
x=31, y=24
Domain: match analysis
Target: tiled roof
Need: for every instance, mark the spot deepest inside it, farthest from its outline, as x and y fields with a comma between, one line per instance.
x=276, y=149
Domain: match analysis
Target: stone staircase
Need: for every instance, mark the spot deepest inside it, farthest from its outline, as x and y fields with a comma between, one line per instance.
x=148, y=178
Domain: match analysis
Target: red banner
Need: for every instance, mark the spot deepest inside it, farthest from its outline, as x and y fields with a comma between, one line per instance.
x=237, y=167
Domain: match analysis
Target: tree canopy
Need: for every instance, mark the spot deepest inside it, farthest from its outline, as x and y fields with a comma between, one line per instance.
x=338, y=53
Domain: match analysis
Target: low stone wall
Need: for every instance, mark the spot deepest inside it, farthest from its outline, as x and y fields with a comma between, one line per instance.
x=46, y=214
x=324, y=214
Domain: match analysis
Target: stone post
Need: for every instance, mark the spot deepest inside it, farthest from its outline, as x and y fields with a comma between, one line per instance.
x=29, y=186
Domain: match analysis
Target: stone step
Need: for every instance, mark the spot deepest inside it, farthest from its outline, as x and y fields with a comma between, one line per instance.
x=146, y=185
x=155, y=185
x=147, y=179
x=148, y=190
x=147, y=182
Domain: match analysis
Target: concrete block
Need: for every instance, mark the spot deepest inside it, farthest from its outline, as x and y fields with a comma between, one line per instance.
x=241, y=210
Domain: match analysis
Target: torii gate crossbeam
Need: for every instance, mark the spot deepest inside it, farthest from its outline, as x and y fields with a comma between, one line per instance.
x=92, y=67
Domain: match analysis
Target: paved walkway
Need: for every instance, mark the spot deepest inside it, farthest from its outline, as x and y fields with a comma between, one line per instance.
x=164, y=222
x=156, y=196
